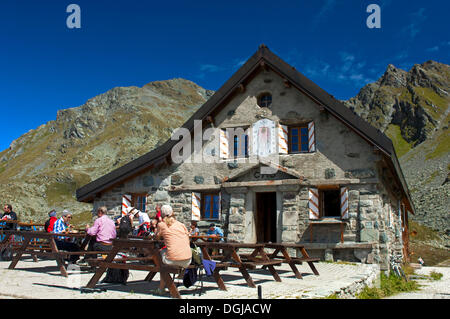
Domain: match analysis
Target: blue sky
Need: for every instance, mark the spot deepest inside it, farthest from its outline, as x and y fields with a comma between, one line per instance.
x=45, y=66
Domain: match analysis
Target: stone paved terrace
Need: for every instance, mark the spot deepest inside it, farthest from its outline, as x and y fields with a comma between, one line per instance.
x=42, y=280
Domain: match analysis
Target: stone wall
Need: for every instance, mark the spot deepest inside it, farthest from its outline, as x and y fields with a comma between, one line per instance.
x=342, y=158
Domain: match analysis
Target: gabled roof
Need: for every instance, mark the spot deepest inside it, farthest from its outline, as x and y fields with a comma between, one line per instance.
x=263, y=58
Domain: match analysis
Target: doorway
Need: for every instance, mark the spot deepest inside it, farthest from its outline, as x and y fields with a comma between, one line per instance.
x=266, y=217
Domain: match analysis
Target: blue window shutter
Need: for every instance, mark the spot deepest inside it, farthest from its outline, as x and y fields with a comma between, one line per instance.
x=207, y=209
x=216, y=207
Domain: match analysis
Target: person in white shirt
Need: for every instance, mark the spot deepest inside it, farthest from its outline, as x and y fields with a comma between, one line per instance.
x=144, y=222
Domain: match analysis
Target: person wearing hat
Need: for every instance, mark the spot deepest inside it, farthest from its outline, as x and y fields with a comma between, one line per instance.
x=144, y=222
x=176, y=238
x=62, y=226
x=215, y=231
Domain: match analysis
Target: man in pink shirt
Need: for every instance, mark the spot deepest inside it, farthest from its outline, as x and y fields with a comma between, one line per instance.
x=104, y=231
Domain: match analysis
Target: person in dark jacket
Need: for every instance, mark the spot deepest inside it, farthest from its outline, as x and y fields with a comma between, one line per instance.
x=9, y=215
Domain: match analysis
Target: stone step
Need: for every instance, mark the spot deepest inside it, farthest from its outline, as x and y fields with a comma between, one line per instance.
x=349, y=237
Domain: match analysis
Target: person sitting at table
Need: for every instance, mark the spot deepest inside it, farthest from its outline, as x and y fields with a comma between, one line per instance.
x=176, y=238
x=194, y=231
x=104, y=231
x=214, y=231
x=144, y=222
x=62, y=226
x=9, y=215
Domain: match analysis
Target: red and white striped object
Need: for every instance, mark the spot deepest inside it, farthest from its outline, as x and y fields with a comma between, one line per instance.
x=311, y=138
x=196, y=202
x=223, y=147
x=344, y=203
x=313, y=203
x=282, y=139
x=126, y=203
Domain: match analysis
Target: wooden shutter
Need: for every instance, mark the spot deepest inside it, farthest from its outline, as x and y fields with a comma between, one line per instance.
x=196, y=202
x=282, y=139
x=311, y=138
x=314, y=203
x=344, y=203
x=218, y=206
x=126, y=203
x=224, y=151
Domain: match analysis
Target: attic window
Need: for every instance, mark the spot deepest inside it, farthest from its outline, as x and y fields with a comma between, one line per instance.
x=265, y=100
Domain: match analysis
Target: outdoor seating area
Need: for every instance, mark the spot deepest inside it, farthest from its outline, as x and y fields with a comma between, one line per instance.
x=143, y=254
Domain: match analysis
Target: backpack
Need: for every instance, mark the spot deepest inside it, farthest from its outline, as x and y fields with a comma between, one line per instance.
x=6, y=254
x=197, y=255
x=47, y=225
x=125, y=227
x=116, y=276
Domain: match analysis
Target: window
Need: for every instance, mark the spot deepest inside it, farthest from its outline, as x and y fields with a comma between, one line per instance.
x=240, y=146
x=210, y=206
x=236, y=142
x=298, y=139
x=139, y=201
x=265, y=100
x=330, y=201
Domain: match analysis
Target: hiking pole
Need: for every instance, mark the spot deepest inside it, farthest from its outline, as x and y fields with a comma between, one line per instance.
x=260, y=292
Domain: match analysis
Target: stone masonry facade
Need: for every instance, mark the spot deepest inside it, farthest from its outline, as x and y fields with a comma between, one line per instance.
x=371, y=233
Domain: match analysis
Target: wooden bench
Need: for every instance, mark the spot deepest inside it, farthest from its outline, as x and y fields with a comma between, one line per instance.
x=154, y=264
x=242, y=261
x=28, y=246
x=292, y=261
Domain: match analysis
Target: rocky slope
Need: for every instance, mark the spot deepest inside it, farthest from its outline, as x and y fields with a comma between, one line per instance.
x=412, y=108
x=43, y=168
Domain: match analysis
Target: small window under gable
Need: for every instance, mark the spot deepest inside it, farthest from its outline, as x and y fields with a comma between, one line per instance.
x=265, y=100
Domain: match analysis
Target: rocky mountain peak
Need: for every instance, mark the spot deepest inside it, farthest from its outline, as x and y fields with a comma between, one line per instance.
x=431, y=74
x=412, y=109
x=393, y=77
x=42, y=169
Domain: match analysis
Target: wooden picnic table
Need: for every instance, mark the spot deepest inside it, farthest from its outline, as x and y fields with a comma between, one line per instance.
x=153, y=263
x=46, y=247
x=205, y=238
x=233, y=258
x=292, y=261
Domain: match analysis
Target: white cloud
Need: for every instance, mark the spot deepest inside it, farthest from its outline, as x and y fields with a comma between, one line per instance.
x=210, y=68
x=433, y=49
x=327, y=7
x=350, y=70
x=417, y=18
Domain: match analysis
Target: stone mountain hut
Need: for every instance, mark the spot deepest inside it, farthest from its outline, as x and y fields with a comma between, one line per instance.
x=292, y=164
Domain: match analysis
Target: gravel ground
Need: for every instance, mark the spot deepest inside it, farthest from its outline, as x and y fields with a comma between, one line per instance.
x=431, y=289
x=43, y=280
